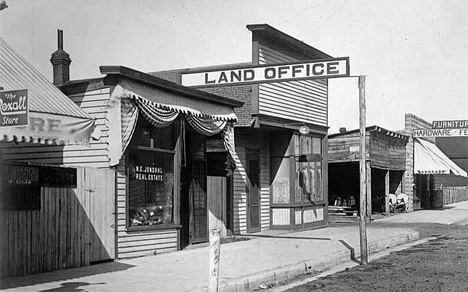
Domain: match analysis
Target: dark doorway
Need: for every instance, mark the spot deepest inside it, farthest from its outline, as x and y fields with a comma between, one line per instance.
x=253, y=190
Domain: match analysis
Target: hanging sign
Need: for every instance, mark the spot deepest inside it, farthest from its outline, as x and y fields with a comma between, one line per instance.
x=14, y=108
x=314, y=69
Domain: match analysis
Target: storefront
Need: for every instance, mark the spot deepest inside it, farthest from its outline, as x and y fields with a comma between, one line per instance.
x=44, y=226
x=170, y=147
x=280, y=181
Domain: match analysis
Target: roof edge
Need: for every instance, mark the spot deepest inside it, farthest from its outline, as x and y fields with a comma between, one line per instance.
x=166, y=85
x=282, y=37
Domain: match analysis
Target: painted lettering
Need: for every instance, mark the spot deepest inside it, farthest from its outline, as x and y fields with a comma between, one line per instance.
x=209, y=81
x=236, y=75
x=296, y=69
x=223, y=78
x=332, y=68
x=270, y=73
x=318, y=72
x=249, y=75
x=282, y=71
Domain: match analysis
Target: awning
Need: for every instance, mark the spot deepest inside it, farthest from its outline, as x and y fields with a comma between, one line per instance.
x=129, y=99
x=53, y=117
x=429, y=159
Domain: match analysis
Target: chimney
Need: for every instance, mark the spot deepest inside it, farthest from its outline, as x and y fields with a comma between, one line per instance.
x=60, y=62
x=342, y=129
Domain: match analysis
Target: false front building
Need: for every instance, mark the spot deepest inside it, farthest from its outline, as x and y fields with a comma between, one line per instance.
x=280, y=181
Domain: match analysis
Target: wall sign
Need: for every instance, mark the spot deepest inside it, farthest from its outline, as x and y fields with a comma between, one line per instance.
x=452, y=128
x=315, y=69
x=14, y=108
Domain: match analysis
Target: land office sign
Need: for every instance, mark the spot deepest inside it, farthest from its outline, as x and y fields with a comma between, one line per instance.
x=14, y=108
x=457, y=128
x=316, y=69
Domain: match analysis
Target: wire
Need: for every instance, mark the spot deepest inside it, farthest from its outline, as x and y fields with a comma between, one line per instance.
x=331, y=15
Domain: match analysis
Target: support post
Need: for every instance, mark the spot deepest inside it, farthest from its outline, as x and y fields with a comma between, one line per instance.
x=213, y=277
x=362, y=170
x=387, y=192
x=369, y=191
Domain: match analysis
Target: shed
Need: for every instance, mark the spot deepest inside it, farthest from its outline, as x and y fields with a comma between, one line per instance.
x=385, y=167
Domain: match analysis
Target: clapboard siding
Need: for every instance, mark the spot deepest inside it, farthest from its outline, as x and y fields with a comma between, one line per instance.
x=257, y=141
x=93, y=154
x=305, y=100
x=138, y=243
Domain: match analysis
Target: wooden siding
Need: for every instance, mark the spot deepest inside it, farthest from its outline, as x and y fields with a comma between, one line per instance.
x=217, y=212
x=281, y=216
x=142, y=242
x=245, y=139
x=305, y=101
x=387, y=152
x=72, y=228
x=92, y=155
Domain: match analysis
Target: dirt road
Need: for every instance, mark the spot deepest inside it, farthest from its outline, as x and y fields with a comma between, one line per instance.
x=440, y=264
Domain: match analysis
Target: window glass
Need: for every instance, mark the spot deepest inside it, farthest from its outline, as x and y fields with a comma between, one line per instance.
x=150, y=136
x=151, y=188
x=280, y=187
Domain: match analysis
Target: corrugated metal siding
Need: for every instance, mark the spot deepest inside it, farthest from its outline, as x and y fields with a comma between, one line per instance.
x=17, y=73
x=93, y=155
x=305, y=101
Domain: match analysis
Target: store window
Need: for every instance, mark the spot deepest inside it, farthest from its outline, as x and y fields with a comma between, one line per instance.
x=151, y=176
x=308, y=171
x=298, y=171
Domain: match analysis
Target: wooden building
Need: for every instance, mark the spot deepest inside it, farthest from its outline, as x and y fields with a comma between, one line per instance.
x=280, y=181
x=49, y=217
x=385, y=167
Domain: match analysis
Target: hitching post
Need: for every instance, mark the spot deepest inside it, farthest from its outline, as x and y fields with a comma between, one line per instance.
x=362, y=169
x=213, y=277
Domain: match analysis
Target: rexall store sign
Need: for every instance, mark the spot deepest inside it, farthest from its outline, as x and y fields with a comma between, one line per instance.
x=14, y=108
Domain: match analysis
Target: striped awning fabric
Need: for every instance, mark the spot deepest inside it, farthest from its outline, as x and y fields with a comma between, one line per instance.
x=429, y=159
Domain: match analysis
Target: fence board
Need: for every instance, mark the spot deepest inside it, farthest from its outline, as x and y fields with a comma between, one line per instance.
x=58, y=235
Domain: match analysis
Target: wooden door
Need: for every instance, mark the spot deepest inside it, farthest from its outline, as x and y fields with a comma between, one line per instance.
x=199, y=224
x=253, y=191
x=217, y=195
x=99, y=190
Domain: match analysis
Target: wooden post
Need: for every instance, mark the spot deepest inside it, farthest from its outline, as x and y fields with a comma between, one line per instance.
x=213, y=276
x=369, y=191
x=387, y=192
x=362, y=170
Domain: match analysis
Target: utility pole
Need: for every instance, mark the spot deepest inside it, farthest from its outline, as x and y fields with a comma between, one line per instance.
x=362, y=170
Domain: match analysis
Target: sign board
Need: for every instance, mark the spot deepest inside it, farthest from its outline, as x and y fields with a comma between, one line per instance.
x=14, y=108
x=460, y=124
x=461, y=132
x=314, y=69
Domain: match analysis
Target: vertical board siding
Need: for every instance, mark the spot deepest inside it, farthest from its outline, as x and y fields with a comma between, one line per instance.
x=64, y=231
x=305, y=100
x=259, y=141
x=281, y=216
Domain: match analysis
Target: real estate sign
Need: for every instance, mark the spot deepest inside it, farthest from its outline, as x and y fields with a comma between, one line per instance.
x=314, y=69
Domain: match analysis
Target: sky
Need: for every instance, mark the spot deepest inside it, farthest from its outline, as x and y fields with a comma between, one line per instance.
x=413, y=53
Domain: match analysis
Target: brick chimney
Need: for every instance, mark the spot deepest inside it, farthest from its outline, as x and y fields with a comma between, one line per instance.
x=61, y=62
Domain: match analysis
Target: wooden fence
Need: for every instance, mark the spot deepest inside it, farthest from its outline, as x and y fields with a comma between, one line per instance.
x=73, y=227
x=455, y=194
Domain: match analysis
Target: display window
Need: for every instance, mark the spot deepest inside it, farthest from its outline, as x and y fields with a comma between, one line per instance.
x=297, y=173
x=150, y=165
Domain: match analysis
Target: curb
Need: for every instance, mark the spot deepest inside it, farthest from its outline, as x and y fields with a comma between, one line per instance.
x=251, y=282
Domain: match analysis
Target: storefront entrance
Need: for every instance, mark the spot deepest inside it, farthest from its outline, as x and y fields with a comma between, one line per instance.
x=253, y=190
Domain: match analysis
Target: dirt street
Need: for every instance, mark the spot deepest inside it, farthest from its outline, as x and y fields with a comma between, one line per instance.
x=437, y=265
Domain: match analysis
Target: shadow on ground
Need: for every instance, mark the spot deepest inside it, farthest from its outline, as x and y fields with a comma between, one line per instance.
x=63, y=275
